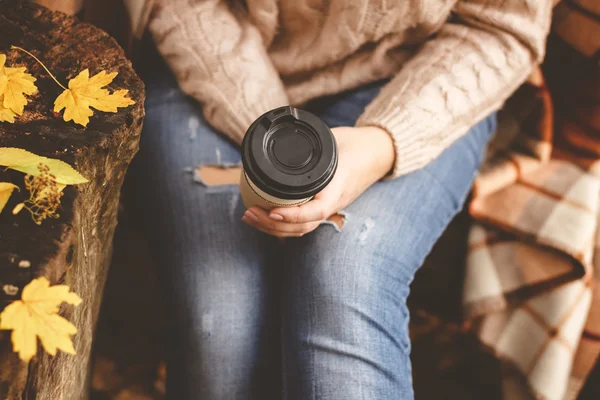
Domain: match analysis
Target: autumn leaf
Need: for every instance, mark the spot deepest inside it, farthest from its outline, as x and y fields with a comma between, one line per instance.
x=6, y=190
x=36, y=316
x=15, y=83
x=6, y=114
x=85, y=92
x=27, y=162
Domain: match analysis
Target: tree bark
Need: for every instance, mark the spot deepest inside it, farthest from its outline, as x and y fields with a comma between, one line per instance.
x=74, y=249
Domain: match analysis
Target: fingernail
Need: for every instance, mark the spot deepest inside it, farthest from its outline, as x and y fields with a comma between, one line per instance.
x=245, y=219
x=276, y=217
x=251, y=215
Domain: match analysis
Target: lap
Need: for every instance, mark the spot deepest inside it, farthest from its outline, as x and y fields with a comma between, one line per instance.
x=394, y=220
x=341, y=294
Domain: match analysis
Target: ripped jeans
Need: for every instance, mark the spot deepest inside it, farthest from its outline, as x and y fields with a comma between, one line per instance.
x=321, y=317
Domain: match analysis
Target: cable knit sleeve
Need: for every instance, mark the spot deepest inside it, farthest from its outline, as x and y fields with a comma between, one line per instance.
x=218, y=59
x=459, y=76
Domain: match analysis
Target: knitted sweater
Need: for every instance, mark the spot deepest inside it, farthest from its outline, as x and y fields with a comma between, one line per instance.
x=451, y=62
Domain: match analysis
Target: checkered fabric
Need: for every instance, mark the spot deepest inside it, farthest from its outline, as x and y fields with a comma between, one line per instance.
x=534, y=249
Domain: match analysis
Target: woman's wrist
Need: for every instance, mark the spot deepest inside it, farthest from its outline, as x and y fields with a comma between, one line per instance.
x=379, y=147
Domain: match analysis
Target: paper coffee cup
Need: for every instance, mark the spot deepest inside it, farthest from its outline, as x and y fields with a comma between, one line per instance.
x=288, y=155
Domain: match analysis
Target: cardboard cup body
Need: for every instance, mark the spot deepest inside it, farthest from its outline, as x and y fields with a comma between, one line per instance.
x=252, y=196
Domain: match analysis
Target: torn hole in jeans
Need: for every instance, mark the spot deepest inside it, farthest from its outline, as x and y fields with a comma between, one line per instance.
x=218, y=175
x=337, y=220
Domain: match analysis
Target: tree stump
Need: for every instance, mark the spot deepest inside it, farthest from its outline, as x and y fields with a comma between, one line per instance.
x=74, y=249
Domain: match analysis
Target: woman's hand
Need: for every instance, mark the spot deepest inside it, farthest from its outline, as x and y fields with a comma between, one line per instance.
x=366, y=155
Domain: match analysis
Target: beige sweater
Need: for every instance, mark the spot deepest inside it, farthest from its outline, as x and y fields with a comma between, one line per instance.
x=452, y=62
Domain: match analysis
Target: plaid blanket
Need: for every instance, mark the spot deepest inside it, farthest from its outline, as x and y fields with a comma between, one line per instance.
x=533, y=262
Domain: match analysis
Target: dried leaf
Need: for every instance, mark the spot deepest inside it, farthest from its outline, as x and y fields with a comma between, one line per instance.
x=36, y=315
x=24, y=161
x=85, y=92
x=15, y=83
x=6, y=190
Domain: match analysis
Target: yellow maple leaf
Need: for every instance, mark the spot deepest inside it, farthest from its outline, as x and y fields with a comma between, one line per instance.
x=85, y=92
x=36, y=315
x=15, y=83
x=6, y=114
x=6, y=190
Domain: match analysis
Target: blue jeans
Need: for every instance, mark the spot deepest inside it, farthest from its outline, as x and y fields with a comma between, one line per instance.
x=321, y=317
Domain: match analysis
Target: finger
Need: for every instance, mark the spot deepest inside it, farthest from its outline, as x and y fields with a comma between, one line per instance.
x=317, y=209
x=275, y=233
x=261, y=218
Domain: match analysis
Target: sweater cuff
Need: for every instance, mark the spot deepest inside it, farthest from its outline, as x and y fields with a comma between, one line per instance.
x=407, y=131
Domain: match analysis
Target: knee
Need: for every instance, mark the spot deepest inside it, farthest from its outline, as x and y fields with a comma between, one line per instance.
x=363, y=258
x=350, y=300
x=216, y=331
x=217, y=308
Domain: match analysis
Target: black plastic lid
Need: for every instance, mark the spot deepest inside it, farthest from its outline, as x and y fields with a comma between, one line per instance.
x=289, y=153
